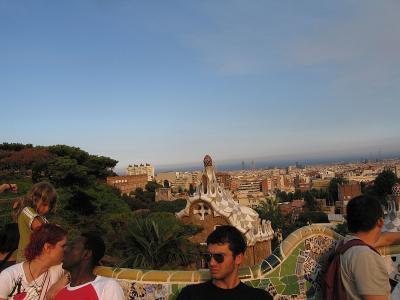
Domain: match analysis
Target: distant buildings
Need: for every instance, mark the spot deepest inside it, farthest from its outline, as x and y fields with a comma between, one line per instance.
x=345, y=193
x=251, y=187
x=178, y=181
x=128, y=184
x=224, y=179
x=147, y=169
x=163, y=194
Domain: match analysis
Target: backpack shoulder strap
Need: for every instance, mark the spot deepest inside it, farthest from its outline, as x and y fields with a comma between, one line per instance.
x=334, y=288
x=343, y=247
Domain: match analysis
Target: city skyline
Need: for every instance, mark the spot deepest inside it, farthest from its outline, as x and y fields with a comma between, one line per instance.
x=167, y=83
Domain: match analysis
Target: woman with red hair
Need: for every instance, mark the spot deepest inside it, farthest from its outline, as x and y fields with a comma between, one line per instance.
x=33, y=278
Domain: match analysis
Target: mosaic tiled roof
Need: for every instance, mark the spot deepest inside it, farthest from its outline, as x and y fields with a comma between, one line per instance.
x=242, y=217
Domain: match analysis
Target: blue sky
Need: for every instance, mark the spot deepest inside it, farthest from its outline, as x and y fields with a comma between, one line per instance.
x=166, y=82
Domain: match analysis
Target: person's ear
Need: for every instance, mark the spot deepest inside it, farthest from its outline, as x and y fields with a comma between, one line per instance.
x=47, y=247
x=239, y=259
x=380, y=223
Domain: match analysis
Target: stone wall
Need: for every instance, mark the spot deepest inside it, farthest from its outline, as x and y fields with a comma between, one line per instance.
x=128, y=184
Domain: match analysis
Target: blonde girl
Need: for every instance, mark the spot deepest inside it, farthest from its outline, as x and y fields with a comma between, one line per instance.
x=30, y=211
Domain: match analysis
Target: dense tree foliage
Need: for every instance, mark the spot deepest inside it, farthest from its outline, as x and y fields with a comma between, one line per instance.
x=86, y=203
x=143, y=199
x=94, y=208
x=382, y=185
x=14, y=146
x=342, y=229
x=333, y=189
x=282, y=196
x=168, y=206
x=24, y=159
x=310, y=217
x=60, y=164
x=287, y=223
x=159, y=241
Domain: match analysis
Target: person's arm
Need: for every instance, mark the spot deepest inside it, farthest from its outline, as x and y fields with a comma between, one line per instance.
x=36, y=223
x=387, y=239
x=8, y=186
x=56, y=287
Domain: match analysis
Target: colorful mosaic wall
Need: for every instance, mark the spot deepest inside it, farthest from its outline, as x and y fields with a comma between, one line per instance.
x=293, y=271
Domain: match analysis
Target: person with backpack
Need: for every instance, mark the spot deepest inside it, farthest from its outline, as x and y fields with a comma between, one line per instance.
x=357, y=270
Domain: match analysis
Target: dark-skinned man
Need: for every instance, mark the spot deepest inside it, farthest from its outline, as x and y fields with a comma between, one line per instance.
x=80, y=259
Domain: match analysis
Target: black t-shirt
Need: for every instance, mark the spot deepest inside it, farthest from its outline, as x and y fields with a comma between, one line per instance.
x=208, y=291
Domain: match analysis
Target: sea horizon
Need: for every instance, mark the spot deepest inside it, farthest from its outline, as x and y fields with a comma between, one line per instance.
x=260, y=163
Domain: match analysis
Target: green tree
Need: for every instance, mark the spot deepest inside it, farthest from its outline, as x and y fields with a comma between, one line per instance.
x=14, y=146
x=297, y=195
x=151, y=186
x=333, y=188
x=65, y=171
x=342, y=229
x=168, y=206
x=100, y=166
x=159, y=241
x=310, y=202
x=97, y=207
x=281, y=196
x=319, y=193
x=309, y=217
x=269, y=210
x=383, y=184
x=72, y=152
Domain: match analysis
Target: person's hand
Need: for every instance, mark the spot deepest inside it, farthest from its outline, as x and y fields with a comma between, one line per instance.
x=8, y=186
x=56, y=287
x=13, y=187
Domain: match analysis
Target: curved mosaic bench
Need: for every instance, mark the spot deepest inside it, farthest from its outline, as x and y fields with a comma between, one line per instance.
x=291, y=272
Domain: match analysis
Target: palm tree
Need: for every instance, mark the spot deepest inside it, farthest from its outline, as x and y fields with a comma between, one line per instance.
x=159, y=241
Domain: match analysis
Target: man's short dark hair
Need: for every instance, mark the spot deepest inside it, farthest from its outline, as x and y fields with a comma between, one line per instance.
x=94, y=243
x=362, y=213
x=230, y=235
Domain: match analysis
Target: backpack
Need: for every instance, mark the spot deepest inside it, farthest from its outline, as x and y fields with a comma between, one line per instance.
x=333, y=288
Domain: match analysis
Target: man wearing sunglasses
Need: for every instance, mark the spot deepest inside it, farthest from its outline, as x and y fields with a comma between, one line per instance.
x=226, y=247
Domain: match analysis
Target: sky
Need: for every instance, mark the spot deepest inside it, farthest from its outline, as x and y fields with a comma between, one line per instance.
x=166, y=82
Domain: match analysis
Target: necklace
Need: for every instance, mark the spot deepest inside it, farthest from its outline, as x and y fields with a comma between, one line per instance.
x=37, y=287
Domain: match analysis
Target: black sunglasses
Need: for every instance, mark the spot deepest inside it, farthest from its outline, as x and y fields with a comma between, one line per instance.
x=218, y=257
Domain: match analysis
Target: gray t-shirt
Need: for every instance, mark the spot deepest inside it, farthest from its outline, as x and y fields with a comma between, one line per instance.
x=363, y=272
